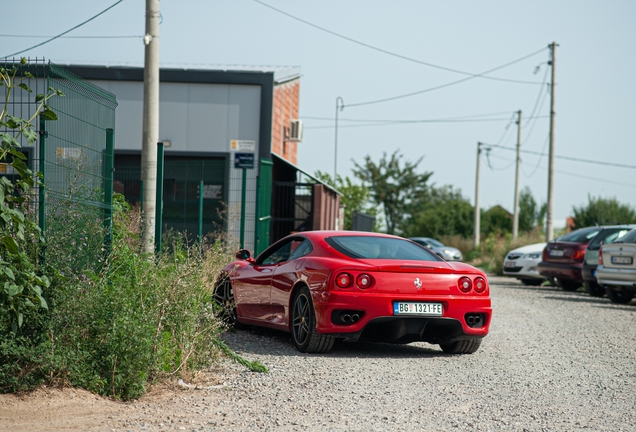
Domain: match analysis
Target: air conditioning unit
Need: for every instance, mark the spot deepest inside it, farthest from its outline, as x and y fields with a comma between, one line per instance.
x=296, y=131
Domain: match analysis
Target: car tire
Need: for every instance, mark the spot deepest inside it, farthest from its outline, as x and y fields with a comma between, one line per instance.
x=226, y=306
x=532, y=282
x=619, y=297
x=468, y=346
x=303, y=325
x=594, y=289
x=568, y=285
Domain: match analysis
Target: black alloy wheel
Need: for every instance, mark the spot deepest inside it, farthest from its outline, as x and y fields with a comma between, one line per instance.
x=619, y=296
x=468, y=346
x=224, y=298
x=594, y=289
x=303, y=325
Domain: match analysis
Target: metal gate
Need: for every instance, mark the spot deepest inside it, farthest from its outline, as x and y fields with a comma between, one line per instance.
x=292, y=208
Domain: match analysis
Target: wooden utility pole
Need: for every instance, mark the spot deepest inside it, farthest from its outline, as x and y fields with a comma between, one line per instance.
x=150, y=126
x=549, y=227
x=515, y=219
x=477, y=211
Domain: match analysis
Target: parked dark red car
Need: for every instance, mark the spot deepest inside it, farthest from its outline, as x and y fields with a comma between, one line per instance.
x=326, y=285
x=563, y=258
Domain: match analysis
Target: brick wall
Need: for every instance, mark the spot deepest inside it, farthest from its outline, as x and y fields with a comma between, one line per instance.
x=286, y=101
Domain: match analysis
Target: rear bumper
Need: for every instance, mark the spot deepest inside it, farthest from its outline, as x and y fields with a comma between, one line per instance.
x=377, y=321
x=560, y=271
x=523, y=269
x=620, y=277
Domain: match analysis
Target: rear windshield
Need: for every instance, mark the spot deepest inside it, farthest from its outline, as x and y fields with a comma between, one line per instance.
x=630, y=237
x=608, y=235
x=582, y=235
x=369, y=247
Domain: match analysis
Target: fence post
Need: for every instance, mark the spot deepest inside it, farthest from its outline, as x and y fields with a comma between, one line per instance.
x=159, y=205
x=108, y=187
x=243, y=194
x=200, y=212
x=42, y=192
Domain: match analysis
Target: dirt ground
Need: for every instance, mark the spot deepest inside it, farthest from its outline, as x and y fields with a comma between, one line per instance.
x=167, y=406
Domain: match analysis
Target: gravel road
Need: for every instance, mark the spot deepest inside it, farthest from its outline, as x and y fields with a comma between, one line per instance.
x=553, y=361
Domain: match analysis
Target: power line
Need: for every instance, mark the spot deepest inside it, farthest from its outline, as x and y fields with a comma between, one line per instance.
x=403, y=122
x=447, y=84
x=613, y=164
x=545, y=143
x=375, y=120
x=538, y=104
x=70, y=37
x=67, y=31
x=400, y=56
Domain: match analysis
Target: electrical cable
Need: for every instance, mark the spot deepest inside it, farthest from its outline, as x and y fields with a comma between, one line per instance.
x=376, y=120
x=67, y=31
x=430, y=89
x=404, y=122
x=392, y=53
x=612, y=164
x=72, y=37
x=547, y=139
x=541, y=97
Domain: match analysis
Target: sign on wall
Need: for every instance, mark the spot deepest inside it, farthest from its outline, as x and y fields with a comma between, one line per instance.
x=243, y=146
x=244, y=160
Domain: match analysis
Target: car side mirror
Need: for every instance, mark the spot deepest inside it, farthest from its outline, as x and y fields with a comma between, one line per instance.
x=244, y=254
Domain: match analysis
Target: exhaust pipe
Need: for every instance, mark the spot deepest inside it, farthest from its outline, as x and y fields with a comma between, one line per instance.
x=345, y=318
x=355, y=318
x=474, y=320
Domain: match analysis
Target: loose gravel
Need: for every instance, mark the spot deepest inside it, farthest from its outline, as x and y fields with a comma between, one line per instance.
x=553, y=361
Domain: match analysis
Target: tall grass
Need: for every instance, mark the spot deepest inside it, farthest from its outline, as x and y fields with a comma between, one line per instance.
x=116, y=326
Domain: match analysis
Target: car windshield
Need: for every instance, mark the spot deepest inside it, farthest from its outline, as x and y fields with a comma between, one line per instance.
x=630, y=237
x=582, y=235
x=435, y=242
x=367, y=247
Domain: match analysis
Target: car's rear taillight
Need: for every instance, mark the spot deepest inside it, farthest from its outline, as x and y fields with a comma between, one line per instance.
x=364, y=281
x=480, y=285
x=343, y=280
x=578, y=254
x=464, y=284
x=600, y=256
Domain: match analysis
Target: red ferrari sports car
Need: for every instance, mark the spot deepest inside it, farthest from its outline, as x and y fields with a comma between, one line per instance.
x=325, y=285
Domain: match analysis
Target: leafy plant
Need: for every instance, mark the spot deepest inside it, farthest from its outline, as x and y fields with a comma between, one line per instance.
x=20, y=236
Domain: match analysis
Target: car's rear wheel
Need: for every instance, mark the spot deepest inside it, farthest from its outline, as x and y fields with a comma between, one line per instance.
x=224, y=298
x=461, y=347
x=594, y=289
x=568, y=285
x=304, y=334
x=532, y=282
x=619, y=297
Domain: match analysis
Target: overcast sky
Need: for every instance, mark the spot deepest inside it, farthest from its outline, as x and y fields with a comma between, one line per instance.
x=376, y=51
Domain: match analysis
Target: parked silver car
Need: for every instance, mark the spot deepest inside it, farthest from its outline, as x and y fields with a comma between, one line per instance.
x=616, y=269
x=446, y=252
x=521, y=263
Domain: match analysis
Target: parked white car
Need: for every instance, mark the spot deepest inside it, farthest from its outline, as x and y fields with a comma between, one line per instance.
x=522, y=263
x=616, y=269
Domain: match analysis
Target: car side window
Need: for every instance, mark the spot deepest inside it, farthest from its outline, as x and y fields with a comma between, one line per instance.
x=291, y=249
x=302, y=249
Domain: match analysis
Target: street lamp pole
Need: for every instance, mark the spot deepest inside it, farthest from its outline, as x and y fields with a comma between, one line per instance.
x=339, y=107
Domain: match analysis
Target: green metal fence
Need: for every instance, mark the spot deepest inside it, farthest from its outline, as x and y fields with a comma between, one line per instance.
x=184, y=209
x=75, y=158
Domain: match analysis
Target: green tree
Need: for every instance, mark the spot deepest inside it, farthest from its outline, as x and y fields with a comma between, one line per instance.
x=603, y=211
x=394, y=186
x=443, y=211
x=354, y=198
x=530, y=214
x=496, y=220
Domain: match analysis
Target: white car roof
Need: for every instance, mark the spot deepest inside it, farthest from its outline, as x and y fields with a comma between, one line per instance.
x=537, y=247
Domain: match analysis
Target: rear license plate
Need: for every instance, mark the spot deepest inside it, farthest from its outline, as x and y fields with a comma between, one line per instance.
x=622, y=260
x=556, y=253
x=417, y=308
x=509, y=264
